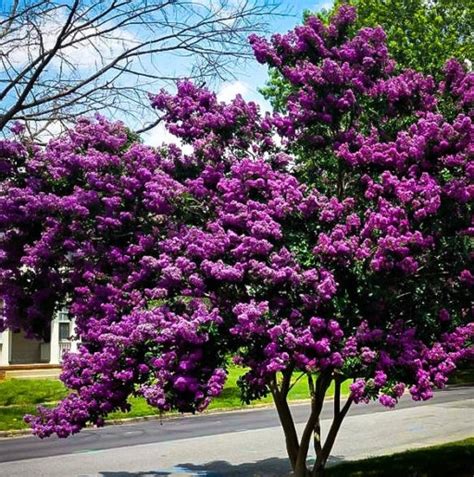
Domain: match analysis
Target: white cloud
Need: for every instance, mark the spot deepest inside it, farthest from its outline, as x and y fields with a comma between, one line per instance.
x=44, y=131
x=160, y=135
x=325, y=5
x=83, y=54
x=225, y=10
x=230, y=90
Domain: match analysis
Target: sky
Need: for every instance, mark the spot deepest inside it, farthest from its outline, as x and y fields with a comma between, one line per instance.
x=246, y=81
x=249, y=79
x=252, y=77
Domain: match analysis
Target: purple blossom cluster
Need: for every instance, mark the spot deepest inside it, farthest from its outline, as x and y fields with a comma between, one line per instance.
x=197, y=117
x=173, y=264
x=334, y=79
x=399, y=206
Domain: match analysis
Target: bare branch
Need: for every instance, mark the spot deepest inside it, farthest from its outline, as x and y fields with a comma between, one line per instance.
x=150, y=126
x=18, y=106
x=67, y=58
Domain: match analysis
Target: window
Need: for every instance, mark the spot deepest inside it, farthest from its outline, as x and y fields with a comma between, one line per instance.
x=62, y=315
x=64, y=331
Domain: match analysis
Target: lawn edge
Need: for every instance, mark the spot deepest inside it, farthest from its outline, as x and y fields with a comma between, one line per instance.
x=170, y=416
x=398, y=453
x=157, y=417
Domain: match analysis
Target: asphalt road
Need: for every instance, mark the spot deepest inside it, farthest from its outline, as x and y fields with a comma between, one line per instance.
x=235, y=440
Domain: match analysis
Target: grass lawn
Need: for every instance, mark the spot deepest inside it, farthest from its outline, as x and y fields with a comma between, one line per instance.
x=21, y=396
x=449, y=460
x=463, y=376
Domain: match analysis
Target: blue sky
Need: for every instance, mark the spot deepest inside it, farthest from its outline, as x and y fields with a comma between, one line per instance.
x=247, y=78
x=254, y=75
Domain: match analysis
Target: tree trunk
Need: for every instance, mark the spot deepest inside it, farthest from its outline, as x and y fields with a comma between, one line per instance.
x=287, y=423
x=298, y=450
x=317, y=400
x=339, y=415
x=302, y=473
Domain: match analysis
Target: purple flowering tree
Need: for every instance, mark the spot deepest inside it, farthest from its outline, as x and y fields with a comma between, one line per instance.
x=342, y=251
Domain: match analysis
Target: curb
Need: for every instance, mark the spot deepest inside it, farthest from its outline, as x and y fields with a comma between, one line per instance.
x=15, y=433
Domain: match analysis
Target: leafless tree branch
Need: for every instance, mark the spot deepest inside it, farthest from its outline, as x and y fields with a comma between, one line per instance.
x=63, y=59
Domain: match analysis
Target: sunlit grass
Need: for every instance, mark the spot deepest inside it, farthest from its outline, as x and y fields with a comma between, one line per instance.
x=449, y=460
x=30, y=391
x=21, y=396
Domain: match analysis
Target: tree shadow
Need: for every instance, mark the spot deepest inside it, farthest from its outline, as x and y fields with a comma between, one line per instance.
x=273, y=467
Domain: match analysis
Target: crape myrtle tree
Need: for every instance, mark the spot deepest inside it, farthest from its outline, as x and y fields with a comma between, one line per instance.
x=174, y=263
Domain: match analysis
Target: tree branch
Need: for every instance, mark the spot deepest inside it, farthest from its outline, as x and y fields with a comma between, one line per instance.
x=322, y=384
x=287, y=422
x=44, y=75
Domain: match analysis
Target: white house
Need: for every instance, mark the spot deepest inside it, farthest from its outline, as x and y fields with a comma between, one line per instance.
x=17, y=351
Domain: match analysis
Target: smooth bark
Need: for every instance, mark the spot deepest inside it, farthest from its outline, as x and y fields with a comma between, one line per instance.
x=298, y=449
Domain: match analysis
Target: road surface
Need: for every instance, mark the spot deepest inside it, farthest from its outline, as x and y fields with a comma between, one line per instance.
x=240, y=443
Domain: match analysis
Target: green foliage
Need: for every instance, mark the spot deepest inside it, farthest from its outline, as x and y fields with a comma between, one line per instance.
x=421, y=34
x=276, y=90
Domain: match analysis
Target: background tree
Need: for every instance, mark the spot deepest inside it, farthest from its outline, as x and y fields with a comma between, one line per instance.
x=421, y=35
x=60, y=60
x=174, y=263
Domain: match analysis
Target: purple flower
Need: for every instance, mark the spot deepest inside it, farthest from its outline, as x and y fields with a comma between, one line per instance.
x=342, y=248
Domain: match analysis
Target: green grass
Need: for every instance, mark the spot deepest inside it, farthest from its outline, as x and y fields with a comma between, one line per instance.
x=230, y=397
x=463, y=376
x=449, y=460
x=21, y=396
x=30, y=391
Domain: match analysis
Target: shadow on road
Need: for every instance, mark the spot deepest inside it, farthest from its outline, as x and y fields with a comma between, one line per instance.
x=264, y=468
